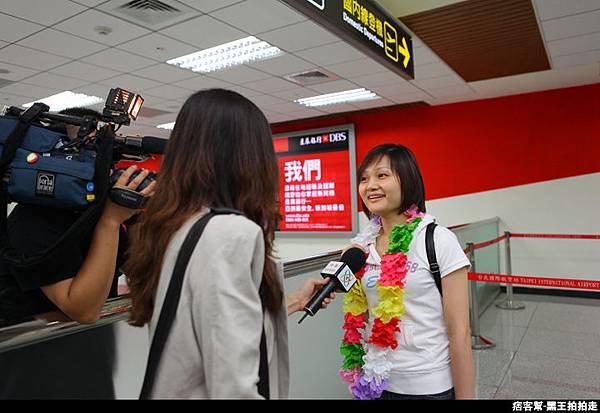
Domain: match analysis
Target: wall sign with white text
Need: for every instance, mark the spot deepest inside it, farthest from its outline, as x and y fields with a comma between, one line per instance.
x=317, y=181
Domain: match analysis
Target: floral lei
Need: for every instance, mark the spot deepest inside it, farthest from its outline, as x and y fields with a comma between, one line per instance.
x=367, y=371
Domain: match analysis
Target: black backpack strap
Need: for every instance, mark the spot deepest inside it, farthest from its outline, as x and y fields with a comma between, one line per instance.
x=17, y=136
x=170, y=304
x=169, y=308
x=433, y=265
x=263, y=368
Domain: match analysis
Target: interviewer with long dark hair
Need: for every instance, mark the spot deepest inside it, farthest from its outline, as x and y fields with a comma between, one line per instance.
x=220, y=154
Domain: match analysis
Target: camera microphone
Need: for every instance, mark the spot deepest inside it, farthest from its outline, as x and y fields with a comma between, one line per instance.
x=139, y=145
x=154, y=145
x=341, y=274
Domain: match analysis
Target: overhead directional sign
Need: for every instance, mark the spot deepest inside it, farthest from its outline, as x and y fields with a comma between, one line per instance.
x=365, y=25
x=320, y=4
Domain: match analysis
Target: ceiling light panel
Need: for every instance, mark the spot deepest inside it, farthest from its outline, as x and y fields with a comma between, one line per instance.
x=355, y=95
x=66, y=100
x=249, y=49
x=167, y=126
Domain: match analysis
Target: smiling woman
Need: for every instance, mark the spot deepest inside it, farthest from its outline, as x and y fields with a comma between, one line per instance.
x=389, y=178
x=413, y=347
x=379, y=187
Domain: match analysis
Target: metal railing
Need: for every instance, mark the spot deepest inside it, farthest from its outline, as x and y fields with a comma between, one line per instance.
x=509, y=303
x=53, y=325
x=312, y=263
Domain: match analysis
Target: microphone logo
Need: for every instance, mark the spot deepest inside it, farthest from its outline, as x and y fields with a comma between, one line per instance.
x=341, y=274
x=347, y=278
x=332, y=268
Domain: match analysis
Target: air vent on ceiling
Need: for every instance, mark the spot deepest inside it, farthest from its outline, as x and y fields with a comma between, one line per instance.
x=152, y=14
x=312, y=77
x=147, y=5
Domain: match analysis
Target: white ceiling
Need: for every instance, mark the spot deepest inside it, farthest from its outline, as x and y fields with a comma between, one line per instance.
x=50, y=46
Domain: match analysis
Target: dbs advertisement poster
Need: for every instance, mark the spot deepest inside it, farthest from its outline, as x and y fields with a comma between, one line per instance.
x=317, y=181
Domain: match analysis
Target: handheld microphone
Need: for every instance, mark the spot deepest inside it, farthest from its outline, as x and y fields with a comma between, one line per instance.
x=341, y=274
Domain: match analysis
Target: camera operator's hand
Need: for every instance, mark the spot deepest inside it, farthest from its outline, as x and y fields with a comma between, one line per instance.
x=118, y=214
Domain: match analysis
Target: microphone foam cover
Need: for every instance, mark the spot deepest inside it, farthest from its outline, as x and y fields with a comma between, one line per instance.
x=354, y=258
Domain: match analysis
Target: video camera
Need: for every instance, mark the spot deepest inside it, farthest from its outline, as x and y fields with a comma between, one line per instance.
x=41, y=165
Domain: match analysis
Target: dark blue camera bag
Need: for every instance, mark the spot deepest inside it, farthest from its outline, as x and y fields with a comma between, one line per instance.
x=19, y=139
x=44, y=175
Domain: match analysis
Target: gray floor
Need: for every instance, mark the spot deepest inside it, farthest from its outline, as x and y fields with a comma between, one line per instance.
x=549, y=350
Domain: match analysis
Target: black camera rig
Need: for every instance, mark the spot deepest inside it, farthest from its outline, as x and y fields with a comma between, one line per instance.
x=41, y=165
x=62, y=165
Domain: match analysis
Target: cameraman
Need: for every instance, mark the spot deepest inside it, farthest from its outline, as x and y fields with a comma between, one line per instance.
x=80, y=288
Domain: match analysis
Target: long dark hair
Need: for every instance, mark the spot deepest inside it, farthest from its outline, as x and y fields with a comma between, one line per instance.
x=404, y=166
x=220, y=154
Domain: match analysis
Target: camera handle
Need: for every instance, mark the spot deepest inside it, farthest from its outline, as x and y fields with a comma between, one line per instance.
x=128, y=198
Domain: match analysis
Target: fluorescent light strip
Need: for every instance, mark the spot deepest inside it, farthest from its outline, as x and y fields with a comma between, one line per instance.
x=66, y=100
x=339, y=97
x=167, y=126
x=249, y=49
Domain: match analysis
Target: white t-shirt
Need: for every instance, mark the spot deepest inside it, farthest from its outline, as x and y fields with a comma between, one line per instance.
x=421, y=362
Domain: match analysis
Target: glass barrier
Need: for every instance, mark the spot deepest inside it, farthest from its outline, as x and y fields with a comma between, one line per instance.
x=486, y=259
x=314, y=348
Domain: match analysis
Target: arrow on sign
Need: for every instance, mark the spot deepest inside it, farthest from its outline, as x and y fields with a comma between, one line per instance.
x=404, y=52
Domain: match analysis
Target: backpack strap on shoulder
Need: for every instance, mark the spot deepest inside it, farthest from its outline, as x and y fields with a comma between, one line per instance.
x=433, y=265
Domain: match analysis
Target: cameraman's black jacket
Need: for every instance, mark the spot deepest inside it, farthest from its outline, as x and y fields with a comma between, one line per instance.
x=40, y=246
x=32, y=230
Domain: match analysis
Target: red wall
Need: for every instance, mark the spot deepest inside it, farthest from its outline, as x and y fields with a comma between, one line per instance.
x=489, y=144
